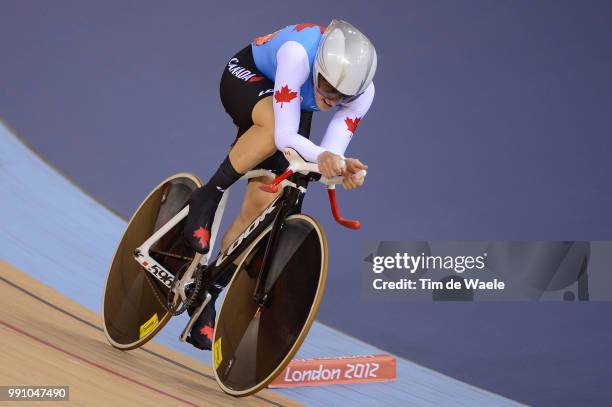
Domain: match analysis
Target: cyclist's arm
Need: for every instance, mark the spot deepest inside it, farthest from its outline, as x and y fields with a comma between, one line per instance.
x=292, y=70
x=345, y=121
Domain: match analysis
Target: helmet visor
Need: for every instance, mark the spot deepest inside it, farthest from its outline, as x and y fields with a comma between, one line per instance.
x=328, y=91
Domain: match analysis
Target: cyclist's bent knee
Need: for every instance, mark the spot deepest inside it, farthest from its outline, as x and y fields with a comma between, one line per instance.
x=255, y=200
x=265, y=141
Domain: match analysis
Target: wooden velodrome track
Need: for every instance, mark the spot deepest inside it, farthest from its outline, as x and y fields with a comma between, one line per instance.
x=48, y=339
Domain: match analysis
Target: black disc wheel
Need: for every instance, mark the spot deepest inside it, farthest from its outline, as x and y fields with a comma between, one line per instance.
x=253, y=344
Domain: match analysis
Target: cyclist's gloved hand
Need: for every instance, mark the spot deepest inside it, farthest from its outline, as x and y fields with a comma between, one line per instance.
x=351, y=180
x=330, y=164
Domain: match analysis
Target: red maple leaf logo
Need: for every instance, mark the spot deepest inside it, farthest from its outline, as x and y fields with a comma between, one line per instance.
x=203, y=234
x=256, y=79
x=351, y=124
x=208, y=331
x=284, y=95
x=264, y=38
x=300, y=27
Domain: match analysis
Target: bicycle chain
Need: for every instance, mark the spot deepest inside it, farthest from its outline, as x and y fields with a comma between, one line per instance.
x=190, y=300
x=167, y=303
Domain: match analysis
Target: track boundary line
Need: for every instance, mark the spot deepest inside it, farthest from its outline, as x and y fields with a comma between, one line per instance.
x=84, y=321
x=95, y=364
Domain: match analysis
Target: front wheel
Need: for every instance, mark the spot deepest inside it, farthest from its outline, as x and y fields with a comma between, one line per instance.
x=252, y=345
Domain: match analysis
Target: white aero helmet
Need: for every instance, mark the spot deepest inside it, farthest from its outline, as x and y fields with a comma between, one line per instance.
x=345, y=58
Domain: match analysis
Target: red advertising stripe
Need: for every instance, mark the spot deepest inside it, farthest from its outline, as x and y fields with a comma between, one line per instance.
x=340, y=370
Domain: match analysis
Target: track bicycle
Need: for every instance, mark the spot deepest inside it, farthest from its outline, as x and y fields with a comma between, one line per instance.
x=272, y=299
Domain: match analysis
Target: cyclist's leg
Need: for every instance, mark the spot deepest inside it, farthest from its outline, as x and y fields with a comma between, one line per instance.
x=253, y=204
x=252, y=148
x=243, y=90
x=257, y=143
x=256, y=200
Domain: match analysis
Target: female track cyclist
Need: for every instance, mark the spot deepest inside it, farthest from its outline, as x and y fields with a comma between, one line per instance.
x=266, y=88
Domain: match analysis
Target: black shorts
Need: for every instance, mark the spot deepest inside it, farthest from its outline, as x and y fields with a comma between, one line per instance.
x=242, y=86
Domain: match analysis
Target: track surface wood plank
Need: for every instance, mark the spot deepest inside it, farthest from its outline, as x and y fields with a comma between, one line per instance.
x=49, y=339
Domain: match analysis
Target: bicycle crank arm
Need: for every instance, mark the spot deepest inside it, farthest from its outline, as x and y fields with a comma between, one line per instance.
x=194, y=318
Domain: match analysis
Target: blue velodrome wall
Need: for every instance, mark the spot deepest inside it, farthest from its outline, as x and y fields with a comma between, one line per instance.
x=56, y=233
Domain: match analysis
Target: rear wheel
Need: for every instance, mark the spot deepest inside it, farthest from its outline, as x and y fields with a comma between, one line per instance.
x=253, y=345
x=135, y=303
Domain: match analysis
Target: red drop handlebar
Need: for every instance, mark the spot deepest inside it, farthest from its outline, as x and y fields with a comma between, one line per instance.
x=351, y=224
x=272, y=187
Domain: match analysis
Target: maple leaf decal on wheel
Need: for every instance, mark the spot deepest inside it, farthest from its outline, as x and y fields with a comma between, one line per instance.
x=284, y=95
x=203, y=235
x=351, y=124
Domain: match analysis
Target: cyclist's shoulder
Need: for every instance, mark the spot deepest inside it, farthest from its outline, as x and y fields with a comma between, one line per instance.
x=304, y=30
x=303, y=26
x=292, y=51
x=307, y=34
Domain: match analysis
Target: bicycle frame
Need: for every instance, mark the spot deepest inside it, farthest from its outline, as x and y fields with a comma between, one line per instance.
x=294, y=183
x=287, y=203
x=223, y=259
